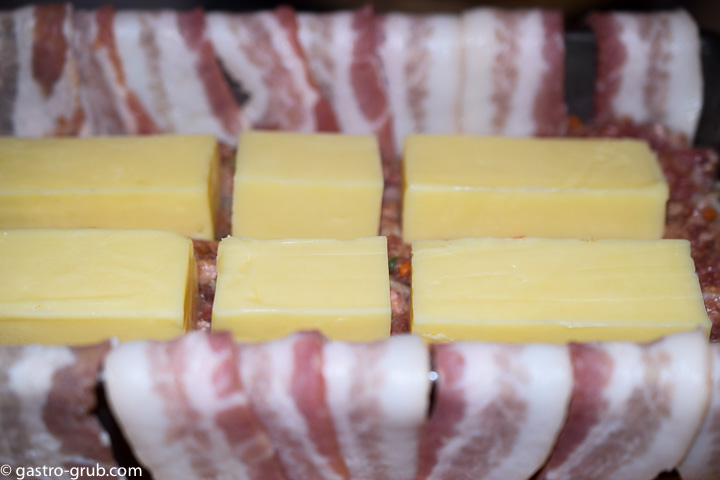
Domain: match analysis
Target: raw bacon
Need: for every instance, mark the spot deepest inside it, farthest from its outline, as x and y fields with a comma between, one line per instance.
x=498, y=410
x=152, y=72
x=38, y=75
x=201, y=406
x=649, y=69
x=261, y=52
x=103, y=90
x=47, y=399
x=185, y=411
x=398, y=251
x=703, y=460
x=342, y=50
x=285, y=382
x=378, y=394
x=422, y=57
x=635, y=408
x=513, y=72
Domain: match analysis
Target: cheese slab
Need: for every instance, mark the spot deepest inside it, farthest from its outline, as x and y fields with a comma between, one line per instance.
x=267, y=289
x=545, y=290
x=294, y=185
x=81, y=286
x=152, y=182
x=469, y=186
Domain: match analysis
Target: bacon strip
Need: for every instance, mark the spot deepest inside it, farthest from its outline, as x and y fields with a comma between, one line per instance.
x=422, y=58
x=261, y=52
x=151, y=72
x=103, y=89
x=513, y=73
x=287, y=388
x=635, y=408
x=702, y=461
x=48, y=396
x=38, y=74
x=342, y=50
x=378, y=394
x=649, y=69
x=185, y=411
x=498, y=410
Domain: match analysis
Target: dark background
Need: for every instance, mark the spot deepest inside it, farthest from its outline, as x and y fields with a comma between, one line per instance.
x=707, y=12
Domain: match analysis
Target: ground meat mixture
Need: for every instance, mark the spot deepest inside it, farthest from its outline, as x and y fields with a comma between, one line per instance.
x=399, y=255
x=206, y=259
x=226, y=172
x=206, y=251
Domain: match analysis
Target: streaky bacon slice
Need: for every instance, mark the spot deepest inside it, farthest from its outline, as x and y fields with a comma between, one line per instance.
x=103, y=88
x=153, y=72
x=513, y=72
x=378, y=394
x=422, y=59
x=48, y=398
x=39, y=94
x=261, y=52
x=285, y=382
x=635, y=408
x=703, y=460
x=184, y=409
x=498, y=410
x=342, y=50
x=649, y=69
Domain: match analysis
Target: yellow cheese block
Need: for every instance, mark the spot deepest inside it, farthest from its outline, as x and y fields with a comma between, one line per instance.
x=82, y=286
x=152, y=182
x=270, y=288
x=542, y=290
x=307, y=186
x=465, y=186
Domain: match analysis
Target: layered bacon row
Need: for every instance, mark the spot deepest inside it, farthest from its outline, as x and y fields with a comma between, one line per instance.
x=302, y=407
x=485, y=71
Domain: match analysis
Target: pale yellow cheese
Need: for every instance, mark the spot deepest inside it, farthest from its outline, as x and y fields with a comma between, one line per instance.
x=465, y=186
x=81, y=286
x=542, y=290
x=307, y=186
x=270, y=288
x=151, y=182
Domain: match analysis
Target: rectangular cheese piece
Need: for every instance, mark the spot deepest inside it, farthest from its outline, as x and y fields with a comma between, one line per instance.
x=293, y=185
x=267, y=289
x=152, y=182
x=543, y=290
x=82, y=286
x=464, y=186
